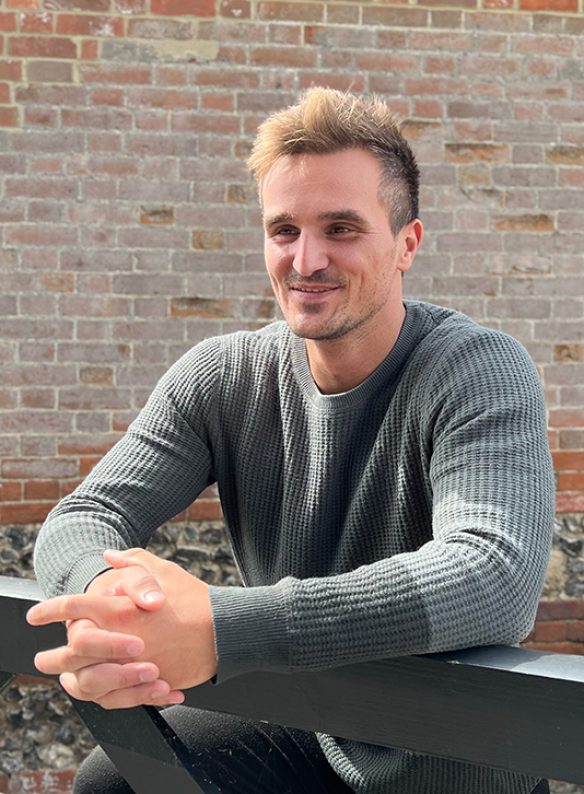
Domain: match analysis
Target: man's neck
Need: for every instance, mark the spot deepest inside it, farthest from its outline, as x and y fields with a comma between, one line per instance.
x=339, y=365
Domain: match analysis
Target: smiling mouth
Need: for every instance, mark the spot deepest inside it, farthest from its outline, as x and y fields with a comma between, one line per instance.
x=313, y=290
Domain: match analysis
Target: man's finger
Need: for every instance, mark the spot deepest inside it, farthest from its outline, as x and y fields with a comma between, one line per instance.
x=70, y=607
x=86, y=639
x=157, y=693
x=138, y=582
x=119, y=647
x=98, y=680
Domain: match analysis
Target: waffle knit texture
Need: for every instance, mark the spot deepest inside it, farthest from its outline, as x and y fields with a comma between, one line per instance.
x=412, y=514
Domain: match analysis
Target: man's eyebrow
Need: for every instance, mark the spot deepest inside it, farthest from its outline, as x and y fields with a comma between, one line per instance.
x=281, y=217
x=330, y=215
x=342, y=215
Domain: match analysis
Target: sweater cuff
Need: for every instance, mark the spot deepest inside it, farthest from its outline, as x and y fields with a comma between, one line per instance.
x=251, y=629
x=84, y=571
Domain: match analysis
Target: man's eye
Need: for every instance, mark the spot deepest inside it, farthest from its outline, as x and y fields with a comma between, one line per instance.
x=285, y=231
x=340, y=229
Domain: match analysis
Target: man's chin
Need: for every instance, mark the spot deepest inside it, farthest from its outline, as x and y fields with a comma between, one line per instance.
x=322, y=333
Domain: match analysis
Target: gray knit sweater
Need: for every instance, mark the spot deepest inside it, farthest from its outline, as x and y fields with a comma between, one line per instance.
x=409, y=515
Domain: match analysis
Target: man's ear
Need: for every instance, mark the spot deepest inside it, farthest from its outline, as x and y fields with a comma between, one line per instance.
x=409, y=239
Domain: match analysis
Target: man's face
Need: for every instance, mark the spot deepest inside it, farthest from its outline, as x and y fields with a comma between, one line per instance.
x=332, y=258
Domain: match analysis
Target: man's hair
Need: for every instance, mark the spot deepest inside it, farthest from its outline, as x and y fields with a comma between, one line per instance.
x=326, y=121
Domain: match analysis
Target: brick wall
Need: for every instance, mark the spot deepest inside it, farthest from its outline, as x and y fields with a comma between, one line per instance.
x=129, y=225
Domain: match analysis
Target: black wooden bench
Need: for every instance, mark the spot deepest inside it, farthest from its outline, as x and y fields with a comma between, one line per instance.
x=504, y=707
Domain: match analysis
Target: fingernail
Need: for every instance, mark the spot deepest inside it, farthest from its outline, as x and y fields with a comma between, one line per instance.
x=133, y=648
x=153, y=597
x=176, y=699
x=147, y=675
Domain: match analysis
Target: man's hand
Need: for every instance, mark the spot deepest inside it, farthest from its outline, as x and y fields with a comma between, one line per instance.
x=115, y=646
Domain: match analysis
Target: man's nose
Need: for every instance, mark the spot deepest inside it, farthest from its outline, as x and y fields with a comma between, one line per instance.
x=309, y=255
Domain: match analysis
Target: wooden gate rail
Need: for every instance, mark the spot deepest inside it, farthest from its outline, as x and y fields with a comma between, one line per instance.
x=504, y=707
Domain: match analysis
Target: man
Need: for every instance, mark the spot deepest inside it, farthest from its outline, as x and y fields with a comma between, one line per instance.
x=383, y=470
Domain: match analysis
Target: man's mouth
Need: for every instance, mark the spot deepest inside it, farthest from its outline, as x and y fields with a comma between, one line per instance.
x=312, y=290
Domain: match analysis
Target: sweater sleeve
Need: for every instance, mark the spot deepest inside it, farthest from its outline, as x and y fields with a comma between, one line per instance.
x=154, y=472
x=482, y=432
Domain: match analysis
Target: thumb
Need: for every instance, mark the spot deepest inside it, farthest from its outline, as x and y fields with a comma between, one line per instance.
x=136, y=582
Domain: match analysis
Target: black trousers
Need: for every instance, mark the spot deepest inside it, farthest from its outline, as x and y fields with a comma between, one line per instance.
x=239, y=756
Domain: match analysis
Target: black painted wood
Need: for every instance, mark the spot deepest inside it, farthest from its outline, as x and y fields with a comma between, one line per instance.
x=500, y=707
x=503, y=707
x=146, y=752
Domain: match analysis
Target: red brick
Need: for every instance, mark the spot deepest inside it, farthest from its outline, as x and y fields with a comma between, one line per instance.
x=42, y=47
x=36, y=23
x=238, y=9
x=570, y=482
x=223, y=102
x=10, y=491
x=565, y=417
x=69, y=486
x=25, y=513
x=344, y=14
x=23, y=3
x=89, y=50
x=304, y=12
x=88, y=445
x=293, y=57
x=9, y=117
x=43, y=781
x=7, y=22
x=570, y=6
x=37, y=398
x=107, y=96
x=41, y=490
x=567, y=460
x=395, y=17
x=550, y=631
x=170, y=75
x=10, y=70
x=87, y=464
x=204, y=510
x=4, y=94
x=570, y=648
x=16, y=469
x=124, y=75
x=177, y=8
x=89, y=25
x=570, y=502
x=97, y=6
x=570, y=608
x=575, y=630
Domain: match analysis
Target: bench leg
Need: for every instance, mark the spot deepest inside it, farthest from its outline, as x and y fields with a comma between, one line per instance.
x=5, y=679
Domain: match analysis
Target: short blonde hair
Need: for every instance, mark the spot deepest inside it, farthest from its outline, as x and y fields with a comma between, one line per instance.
x=326, y=121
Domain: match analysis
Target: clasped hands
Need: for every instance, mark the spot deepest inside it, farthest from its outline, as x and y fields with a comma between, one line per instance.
x=140, y=634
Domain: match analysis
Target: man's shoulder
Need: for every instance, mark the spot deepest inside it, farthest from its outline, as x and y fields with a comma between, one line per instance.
x=454, y=345
x=448, y=329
